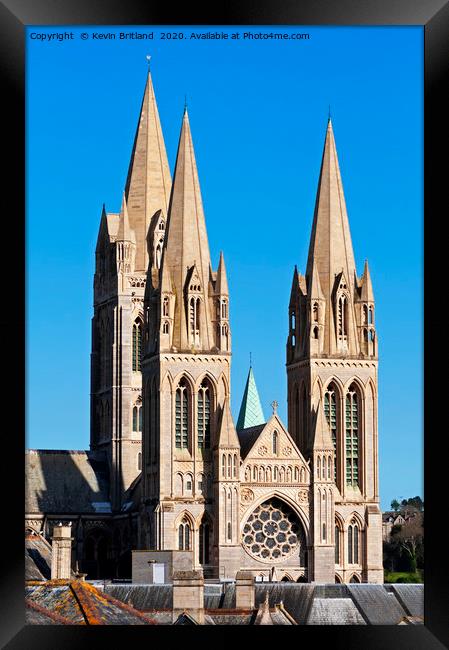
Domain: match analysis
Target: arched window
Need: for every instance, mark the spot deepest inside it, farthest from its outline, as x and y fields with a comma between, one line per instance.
x=353, y=542
x=203, y=432
x=352, y=437
x=194, y=319
x=165, y=307
x=337, y=545
x=329, y=466
x=315, y=332
x=184, y=535
x=330, y=411
x=182, y=415
x=296, y=474
x=350, y=546
x=342, y=316
x=275, y=443
x=275, y=474
x=135, y=418
x=223, y=465
x=365, y=314
x=137, y=345
x=139, y=461
x=235, y=466
x=315, y=312
x=161, y=225
x=324, y=466
x=292, y=321
x=224, y=309
x=229, y=466
x=318, y=467
x=204, y=543
x=165, y=328
x=370, y=316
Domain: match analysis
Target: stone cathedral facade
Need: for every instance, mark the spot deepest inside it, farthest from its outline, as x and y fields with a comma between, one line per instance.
x=296, y=501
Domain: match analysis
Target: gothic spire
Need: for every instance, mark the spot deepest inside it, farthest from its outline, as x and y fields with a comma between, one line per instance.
x=322, y=438
x=125, y=233
x=186, y=244
x=366, y=293
x=148, y=183
x=221, y=286
x=227, y=435
x=330, y=242
x=251, y=413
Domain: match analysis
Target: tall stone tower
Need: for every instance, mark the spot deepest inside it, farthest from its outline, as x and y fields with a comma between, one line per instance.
x=186, y=380
x=128, y=244
x=332, y=365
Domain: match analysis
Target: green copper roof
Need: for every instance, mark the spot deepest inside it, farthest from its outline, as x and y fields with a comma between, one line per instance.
x=251, y=413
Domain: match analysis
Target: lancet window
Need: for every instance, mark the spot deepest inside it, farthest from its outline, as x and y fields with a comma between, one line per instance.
x=204, y=416
x=352, y=437
x=137, y=346
x=182, y=415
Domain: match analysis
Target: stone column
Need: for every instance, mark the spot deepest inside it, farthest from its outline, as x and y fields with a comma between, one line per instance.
x=61, y=553
x=188, y=594
x=244, y=590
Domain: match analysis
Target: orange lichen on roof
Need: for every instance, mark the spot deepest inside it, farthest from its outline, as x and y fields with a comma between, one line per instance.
x=48, y=612
x=91, y=602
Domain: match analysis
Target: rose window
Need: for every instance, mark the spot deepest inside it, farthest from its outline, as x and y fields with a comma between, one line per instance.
x=272, y=531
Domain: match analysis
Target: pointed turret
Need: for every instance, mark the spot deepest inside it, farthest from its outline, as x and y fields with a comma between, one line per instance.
x=125, y=232
x=366, y=292
x=187, y=246
x=322, y=438
x=315, y=292
x=251, y=413
x=221, y=286
x=102, y=229
x=148, y=183
x=227, y=435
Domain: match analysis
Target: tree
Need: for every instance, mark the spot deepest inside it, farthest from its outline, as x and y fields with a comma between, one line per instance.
x=395, y=505
x=410, y=538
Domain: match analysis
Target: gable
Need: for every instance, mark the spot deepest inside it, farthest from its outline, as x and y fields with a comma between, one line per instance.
x=282, y=461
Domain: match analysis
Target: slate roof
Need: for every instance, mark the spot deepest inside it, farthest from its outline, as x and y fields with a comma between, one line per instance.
x=37, y=558
x=251, y=413
x=289, y=603
x=79, y=602
x=248, y=437
x=60, y=481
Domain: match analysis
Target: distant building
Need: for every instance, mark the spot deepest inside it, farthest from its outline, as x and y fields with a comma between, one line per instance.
x=167, y=468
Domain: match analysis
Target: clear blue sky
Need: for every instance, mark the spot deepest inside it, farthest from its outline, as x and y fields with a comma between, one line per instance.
x=258, y=111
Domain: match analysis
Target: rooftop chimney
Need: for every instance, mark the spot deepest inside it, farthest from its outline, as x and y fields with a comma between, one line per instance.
x=244, y=590
x=188, y=594
x=61, y=552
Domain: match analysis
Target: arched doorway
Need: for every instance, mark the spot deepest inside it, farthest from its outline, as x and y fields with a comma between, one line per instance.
x=355, y=579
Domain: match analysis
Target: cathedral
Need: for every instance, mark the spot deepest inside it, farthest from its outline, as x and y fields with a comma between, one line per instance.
x=167, y=468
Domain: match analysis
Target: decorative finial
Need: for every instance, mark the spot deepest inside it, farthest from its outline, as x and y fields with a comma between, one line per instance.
x=185, y=103
x=148, y=58
x=329, y=114
x=274, y=406
x=250, y=360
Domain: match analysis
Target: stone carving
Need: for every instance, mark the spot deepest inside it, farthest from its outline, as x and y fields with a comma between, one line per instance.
x=287, y=451
x=302, y=496
x=263, y=450
x=247, y=495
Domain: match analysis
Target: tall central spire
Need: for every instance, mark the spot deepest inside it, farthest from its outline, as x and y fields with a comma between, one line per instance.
x=330, y=243
x=148, y=183
x=187, y=248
